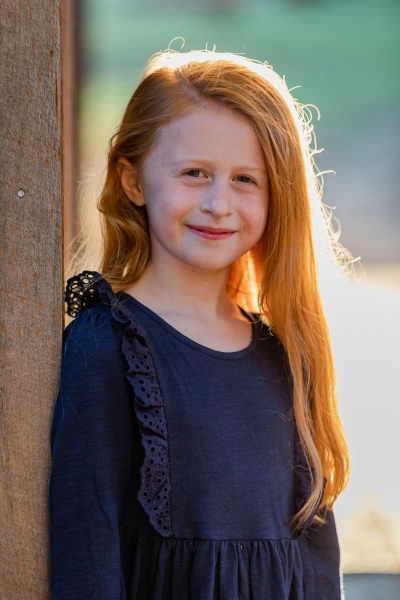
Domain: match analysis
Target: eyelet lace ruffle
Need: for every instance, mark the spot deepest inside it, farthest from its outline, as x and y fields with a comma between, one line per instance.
x=84, y=291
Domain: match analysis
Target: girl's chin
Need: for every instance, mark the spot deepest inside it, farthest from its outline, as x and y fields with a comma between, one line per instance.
x=207, y=265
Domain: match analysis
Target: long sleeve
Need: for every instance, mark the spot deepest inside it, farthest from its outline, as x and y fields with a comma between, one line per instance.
x=320, y=553
x=91, y=445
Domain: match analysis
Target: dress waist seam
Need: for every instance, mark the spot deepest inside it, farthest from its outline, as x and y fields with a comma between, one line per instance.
x=196, y=539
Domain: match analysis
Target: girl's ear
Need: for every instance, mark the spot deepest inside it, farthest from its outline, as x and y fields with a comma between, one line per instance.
x=129, y=177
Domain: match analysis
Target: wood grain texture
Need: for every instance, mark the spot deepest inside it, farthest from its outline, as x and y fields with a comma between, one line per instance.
x=30, y=285
x=72, y=60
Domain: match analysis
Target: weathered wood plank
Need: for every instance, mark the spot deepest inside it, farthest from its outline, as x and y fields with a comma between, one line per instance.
x=71, y=75
x=30, y=284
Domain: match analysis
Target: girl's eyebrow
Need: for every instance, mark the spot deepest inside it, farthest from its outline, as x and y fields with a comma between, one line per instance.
x=199, y=161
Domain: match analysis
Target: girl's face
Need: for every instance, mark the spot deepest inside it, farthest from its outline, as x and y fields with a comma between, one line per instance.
x=205, y=187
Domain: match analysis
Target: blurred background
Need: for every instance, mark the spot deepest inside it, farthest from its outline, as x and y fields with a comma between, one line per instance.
x=343, y=57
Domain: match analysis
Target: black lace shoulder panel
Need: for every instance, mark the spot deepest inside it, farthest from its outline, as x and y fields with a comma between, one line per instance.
x=81, y=292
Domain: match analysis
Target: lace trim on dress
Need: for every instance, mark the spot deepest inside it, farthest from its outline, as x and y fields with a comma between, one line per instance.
x=84, y=291
x=80, y=293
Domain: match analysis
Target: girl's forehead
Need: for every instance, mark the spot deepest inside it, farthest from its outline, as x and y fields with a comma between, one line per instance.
x=212, y=130
x=206, y=114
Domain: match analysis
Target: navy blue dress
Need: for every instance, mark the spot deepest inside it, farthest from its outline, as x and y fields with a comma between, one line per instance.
x=176, y=468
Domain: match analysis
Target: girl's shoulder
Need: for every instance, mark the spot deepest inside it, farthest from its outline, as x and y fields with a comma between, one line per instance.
x=91, y=330
x=264, y=330
x=102, y=325
x=87, y=290
x=92, y=305
x=262, y=325
x=270, y=345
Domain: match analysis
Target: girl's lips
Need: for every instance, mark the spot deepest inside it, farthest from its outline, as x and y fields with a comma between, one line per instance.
x=212, y=233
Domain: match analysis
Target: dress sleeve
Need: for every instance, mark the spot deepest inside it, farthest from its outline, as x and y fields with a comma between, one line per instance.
x=91, y=446
x=320, y=552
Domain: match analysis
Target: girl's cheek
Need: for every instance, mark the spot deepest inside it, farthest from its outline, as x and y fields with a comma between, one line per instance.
x=256, y=216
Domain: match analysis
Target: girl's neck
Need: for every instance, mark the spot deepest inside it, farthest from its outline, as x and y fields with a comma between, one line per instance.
x=184, y=291
x=195, y=303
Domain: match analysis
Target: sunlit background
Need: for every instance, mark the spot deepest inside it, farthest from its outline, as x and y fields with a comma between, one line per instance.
x=345, y=55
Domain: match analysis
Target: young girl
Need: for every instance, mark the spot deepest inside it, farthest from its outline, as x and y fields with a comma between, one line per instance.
x=197, y=450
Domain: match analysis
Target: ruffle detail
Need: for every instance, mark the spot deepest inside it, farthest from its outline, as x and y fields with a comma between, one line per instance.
x=84, y=291
x=161, y=569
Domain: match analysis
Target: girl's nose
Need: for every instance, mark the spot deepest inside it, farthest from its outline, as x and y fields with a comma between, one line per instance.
x=217, y=201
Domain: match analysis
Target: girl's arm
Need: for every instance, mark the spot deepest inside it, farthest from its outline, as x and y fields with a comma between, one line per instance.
x=91, y=444
x=321, y=561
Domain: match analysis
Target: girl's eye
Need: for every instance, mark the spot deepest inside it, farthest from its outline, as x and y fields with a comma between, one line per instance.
x=193, y=173
x=244, y=179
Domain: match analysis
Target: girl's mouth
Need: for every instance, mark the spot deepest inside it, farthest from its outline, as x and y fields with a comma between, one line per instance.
x=211, y=233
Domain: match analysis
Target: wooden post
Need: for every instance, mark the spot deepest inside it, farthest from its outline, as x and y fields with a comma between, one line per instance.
x=31, y=268
x=71, y=71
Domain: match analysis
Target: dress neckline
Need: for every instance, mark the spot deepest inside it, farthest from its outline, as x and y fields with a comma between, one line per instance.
x=128, y=298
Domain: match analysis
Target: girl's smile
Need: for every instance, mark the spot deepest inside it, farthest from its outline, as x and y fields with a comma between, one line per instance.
x=205, y=187
x=211, y=233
